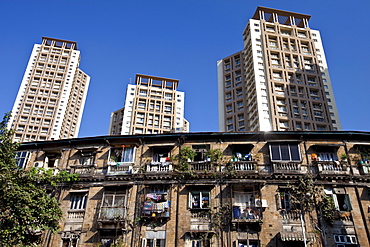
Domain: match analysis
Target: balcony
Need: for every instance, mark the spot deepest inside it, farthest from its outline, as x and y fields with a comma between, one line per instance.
x=83, y=170
x=200, y=221
x=111, y=218
x=156, y=206
x=243, y=166
x=287, y=167
x=111, y=213
x=119, y=168
x=290, y=216
x=202, y=166
x=76, y=215
x=247, y=215
x=331, y=167
x=159, y=167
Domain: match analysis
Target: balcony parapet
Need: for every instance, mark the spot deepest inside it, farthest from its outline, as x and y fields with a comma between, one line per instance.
x=108, y=214
x=202, y=166
x=159, y=167
x=76, y=215
x=243, y=166
x=119, y=168
x=83, y=170
x=331, y=167
x=287, y=167
x=290, y=215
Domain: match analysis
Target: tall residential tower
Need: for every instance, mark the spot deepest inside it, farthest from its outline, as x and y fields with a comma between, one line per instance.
x=280, y=81
x=152, y=106
x=51, y=98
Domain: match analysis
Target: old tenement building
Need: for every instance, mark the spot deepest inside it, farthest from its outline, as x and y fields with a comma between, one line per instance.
x=134, y=192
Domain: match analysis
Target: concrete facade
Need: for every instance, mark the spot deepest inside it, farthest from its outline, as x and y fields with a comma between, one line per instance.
x=280, y=80
x=132, y=191
x=51, y=98
x=153, y=105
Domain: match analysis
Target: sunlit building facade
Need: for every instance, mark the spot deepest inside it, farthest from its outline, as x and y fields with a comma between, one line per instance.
x=152, y=106
x=51, y=98
x=280, y=80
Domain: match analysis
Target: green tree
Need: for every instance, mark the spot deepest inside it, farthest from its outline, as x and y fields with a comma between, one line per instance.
x=27, y=204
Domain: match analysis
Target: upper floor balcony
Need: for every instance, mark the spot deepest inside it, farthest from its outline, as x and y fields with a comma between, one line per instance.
x=287, y=167
x=159, y=167
x=156, y=206
x=108, y=214
x=200, y=221
x=119, y=168
x=246, y=215
x=83, y=170
x=202, y=166
x=243, y=166
x=331, y=167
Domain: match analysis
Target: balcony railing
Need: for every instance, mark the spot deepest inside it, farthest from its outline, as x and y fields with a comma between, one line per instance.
x=119, y=168
x=112, y=213
x=76, y=215
x=156, y=209
x=83, y=170
x=343, y=216
x=244, y=166
x=290, y=215
x=249, y=214
x=202, y=166
x=159, y=167
x=200, y=216
x=286, y=167
x=328, y=167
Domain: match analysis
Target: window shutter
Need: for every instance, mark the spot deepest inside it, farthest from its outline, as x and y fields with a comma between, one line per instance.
x=278, y=201
x=143, y=242
x=348, y=202
x=275, y=152
x=335, y=201
x=294, y=151
x=190, y=201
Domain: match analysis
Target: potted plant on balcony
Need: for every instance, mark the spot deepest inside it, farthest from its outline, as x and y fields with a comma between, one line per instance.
x=182, y=159
x=344, y=157
x=214, y=155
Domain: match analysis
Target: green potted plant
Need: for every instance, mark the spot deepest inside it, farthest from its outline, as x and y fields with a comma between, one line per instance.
x=214, y=155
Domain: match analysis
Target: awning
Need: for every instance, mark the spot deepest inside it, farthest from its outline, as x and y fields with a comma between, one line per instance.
x=295, y=236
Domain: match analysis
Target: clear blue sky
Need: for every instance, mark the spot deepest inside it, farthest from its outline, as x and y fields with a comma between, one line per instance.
x=177, y=39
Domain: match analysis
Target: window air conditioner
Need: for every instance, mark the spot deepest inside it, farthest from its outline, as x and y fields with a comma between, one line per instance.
x=39, y=164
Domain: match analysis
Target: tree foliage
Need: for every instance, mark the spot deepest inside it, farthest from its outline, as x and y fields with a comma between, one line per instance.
x=307, y=196
x=27, y=203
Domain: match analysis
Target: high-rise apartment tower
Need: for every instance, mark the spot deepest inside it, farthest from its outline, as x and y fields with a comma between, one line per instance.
x=280, y=80
x=152, y=106
x=51, y=98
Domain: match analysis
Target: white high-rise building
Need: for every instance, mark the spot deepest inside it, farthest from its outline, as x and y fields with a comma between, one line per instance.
x=280, y=80
x=51, y=98
x=152, y=106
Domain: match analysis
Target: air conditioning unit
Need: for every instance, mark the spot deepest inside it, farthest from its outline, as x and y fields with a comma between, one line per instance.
x=39, y=164
x=261, y=203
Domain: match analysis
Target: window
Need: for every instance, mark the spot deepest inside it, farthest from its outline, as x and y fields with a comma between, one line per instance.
x=341, y=200
x=244, y=206
x=22, y=159
x=284, y=152
x=113, y=205
x=200, y=243
x=78, y=201
x=154, y=242
x=126, y=154
x=199, y=200
x=343, y=240
x=283, y=201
